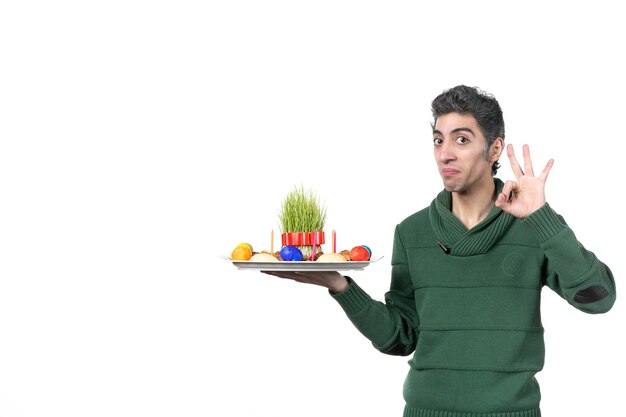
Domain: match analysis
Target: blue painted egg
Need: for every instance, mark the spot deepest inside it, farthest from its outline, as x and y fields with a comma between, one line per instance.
x=291, y=253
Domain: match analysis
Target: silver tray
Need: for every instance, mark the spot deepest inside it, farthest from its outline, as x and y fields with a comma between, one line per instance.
x=304, y=265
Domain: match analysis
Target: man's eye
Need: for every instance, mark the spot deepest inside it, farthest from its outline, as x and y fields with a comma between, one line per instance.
x=462, y=140
x=437, y=141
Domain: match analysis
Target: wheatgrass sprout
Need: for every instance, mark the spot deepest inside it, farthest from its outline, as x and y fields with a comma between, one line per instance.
x=302, y=212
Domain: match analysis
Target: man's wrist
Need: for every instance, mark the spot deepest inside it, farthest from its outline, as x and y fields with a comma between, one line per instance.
x=545, y=223
x=339, y=285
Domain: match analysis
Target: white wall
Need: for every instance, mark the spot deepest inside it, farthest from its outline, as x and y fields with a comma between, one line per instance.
x=140, y=141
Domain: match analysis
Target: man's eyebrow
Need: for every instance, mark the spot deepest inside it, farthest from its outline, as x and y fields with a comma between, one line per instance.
x=463, y=129
x=458, y=129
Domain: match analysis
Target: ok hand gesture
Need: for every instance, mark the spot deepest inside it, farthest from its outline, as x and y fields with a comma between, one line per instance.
x=522, y=197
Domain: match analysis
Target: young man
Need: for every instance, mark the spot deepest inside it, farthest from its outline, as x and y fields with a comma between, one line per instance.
x=467, y=274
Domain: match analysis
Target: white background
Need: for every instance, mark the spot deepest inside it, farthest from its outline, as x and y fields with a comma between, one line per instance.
x=141, y=141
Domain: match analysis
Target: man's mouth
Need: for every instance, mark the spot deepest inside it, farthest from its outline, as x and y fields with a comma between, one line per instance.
x=448, y=172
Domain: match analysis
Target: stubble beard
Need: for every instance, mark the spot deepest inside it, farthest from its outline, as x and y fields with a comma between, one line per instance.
x=454, y=186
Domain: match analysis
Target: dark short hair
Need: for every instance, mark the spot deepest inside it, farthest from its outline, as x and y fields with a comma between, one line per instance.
x=480, y=104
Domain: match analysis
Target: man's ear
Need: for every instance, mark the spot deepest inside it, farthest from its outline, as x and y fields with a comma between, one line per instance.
x=496, y=149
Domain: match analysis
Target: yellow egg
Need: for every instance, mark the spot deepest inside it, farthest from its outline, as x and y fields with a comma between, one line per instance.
x=241, y=253
x=249, y=246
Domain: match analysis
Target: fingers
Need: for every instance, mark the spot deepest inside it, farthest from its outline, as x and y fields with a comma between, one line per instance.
x=528, y=165
x=282, y=274
x=291, y=275
x=546, y=170
x=306, y=277
x=517, y=170
x=509, y=188
x=505, y=196
x=501, y=201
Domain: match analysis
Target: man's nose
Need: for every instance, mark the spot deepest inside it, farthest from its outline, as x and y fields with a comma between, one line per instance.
x=445, y=152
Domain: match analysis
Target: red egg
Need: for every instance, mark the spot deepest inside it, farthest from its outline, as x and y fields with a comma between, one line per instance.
x=359, y=253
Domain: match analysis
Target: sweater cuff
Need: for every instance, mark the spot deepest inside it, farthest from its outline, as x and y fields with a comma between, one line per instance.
x=545, y=223
x=353, y=299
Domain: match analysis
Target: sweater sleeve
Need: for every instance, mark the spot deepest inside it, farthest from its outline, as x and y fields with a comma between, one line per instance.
x=572, y=271
x=390, y=326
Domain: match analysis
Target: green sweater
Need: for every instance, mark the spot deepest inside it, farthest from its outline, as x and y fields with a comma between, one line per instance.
x=468, y=307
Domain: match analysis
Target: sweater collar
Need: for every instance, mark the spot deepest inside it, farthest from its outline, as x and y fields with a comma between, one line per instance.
x=456, y=237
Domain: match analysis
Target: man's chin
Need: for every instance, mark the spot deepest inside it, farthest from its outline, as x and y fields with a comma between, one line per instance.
x=452, y=186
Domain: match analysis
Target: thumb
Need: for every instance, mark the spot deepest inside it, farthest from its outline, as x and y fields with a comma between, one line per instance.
x=503, y=199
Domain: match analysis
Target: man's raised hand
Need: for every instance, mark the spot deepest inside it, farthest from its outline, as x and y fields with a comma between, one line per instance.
x=526, y=194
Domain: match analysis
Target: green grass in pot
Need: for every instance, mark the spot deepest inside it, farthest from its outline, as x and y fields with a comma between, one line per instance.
x=302, y=211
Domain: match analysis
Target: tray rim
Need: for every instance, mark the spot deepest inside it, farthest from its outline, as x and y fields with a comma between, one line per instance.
x=299, y=266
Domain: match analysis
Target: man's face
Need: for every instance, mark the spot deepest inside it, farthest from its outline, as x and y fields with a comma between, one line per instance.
x=460, y=153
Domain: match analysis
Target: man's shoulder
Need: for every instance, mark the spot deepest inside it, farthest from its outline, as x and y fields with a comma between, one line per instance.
x=416, y=230
x=417, y=219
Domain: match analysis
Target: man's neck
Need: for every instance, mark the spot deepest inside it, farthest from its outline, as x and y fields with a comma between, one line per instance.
x=472, y=206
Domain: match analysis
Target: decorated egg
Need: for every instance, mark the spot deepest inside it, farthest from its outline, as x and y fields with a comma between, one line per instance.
x=359, y=253
x=291, y=253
